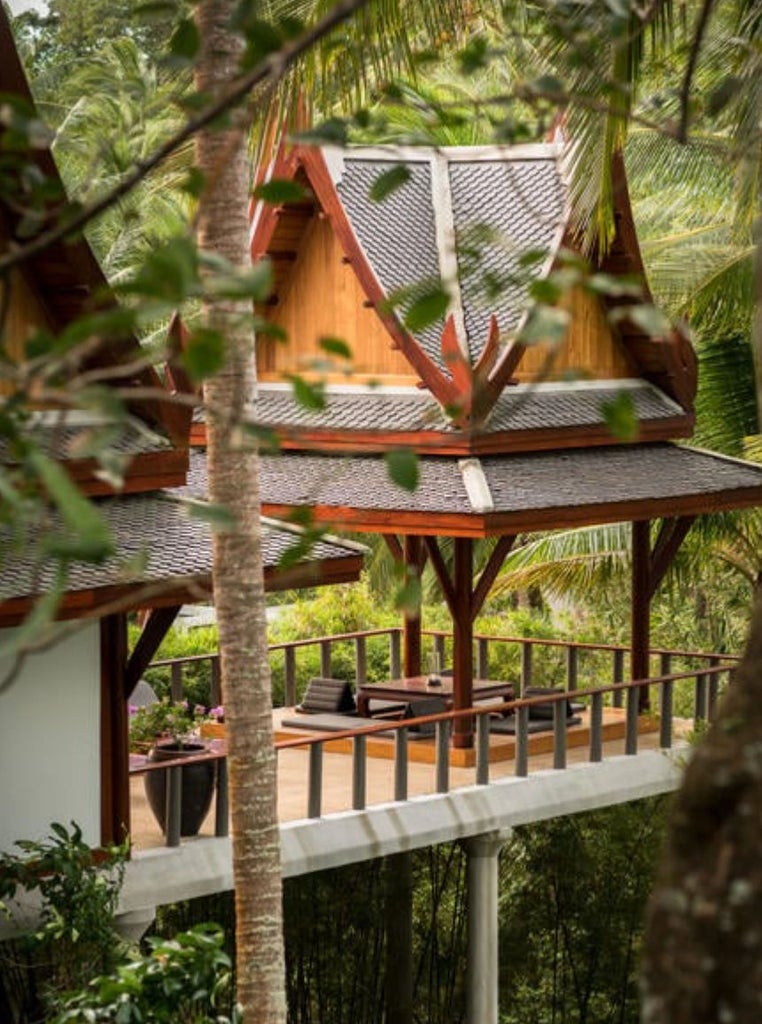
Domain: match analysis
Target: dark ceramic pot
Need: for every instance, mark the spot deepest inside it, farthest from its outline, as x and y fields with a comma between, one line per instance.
x=198, y=786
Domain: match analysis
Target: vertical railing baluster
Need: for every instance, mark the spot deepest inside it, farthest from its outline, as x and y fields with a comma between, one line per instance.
x=359, y=773
x=572, y=658
x=701, y=697
x=325, y=658
x=631, y=723
x=215, y=690
x=596, y=727
x=221, y=807
x=665, y=663
x=559, y=734
x=315, y=784
x=522, y=741
x=526, y=665
x=482, y=658
x=173, y=805
x=395, y=654
x=176, y=684
x=665, y=710
x=440, y=651
x=400, y=764
x=714, y=688
x=443, y=756
x=482, y=750
x=617, y=676
x=290, y=673
x=361, y=660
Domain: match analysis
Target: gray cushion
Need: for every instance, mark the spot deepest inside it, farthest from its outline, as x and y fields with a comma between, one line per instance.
x=332, y=696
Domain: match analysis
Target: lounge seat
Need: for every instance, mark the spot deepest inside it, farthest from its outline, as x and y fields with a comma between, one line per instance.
x=543, y=712
x=507, y=726
x=327, y=696
x=340, y=723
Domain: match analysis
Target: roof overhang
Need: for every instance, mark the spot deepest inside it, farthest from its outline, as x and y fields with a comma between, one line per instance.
x=524, y=493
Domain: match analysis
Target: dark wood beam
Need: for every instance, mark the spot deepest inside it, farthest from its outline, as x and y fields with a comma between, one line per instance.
x=440, y=568
x=412, y=622
x=641, y=606
x=114, y=725
x=395, y=548
x=671, y=535
x=155, y=628
x=489, y=573
x=463, y=640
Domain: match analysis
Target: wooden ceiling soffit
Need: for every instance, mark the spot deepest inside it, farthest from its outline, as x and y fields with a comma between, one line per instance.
x=311, y=162
x=671, y=535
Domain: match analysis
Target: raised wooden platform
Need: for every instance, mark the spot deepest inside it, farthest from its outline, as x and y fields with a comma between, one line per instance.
x=501, y=747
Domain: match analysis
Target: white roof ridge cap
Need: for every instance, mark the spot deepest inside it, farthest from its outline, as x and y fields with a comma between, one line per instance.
x=476, y=485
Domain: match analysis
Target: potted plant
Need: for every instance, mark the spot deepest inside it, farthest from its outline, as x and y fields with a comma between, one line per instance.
x=168, y=730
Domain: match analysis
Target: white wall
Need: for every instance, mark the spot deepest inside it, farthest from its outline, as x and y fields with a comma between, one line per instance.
x=50, y=739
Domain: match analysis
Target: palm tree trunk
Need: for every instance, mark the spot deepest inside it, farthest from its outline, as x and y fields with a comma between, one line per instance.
x=238, y=580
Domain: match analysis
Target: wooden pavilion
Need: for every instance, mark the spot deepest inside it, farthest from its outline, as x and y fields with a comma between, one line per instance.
x=511, y=437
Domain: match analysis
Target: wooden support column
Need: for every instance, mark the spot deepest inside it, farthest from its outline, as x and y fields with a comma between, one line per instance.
x=114, y=723
x=640, y=637
x=463, y=639
x=413, y=552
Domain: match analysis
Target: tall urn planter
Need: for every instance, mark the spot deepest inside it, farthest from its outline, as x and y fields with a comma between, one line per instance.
x=197, y=786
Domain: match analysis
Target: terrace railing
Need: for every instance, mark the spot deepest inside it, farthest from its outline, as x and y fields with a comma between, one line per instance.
x=695, y=688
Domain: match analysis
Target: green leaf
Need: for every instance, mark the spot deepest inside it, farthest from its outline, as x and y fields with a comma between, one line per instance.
x=388, y=182
x=170, y=272
x=186, y=41
x=649, y=318
x=255, y=283
x=427, y=309
x=335, y=347
x=204, y=353
x=545, y=324
x=723, y=94
x=334, y=131
x=620, y=417
x=309, y=396
x=280, y=190
x=407, y=599
x=219, y=517
x=402, y=466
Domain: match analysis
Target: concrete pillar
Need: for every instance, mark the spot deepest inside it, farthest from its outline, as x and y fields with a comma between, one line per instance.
x=135, y=923
x=399, y=938
x=481, y=927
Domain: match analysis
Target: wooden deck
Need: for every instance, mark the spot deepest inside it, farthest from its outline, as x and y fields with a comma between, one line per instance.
x=337, y=770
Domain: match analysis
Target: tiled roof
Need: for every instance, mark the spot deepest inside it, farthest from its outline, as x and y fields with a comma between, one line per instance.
x=501, y=204
x=520, y=203
x=156, y=540
x=64, y=442
x=522, y=483
x=525, y=407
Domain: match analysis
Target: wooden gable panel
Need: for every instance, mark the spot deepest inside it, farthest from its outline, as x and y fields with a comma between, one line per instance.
x=318, y=295
x=590, y=348
x=26, y=314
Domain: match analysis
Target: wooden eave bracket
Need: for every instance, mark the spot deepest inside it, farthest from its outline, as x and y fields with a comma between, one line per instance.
x=154, y=630
x=672, y=533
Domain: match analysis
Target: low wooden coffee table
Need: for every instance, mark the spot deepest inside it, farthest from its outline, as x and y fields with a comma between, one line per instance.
x=414, y=688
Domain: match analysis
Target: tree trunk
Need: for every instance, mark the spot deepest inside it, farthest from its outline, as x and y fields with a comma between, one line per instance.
x=238, y=580
x=703, y=957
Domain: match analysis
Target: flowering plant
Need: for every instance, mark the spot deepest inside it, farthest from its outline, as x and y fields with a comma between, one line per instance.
x=177, y=721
